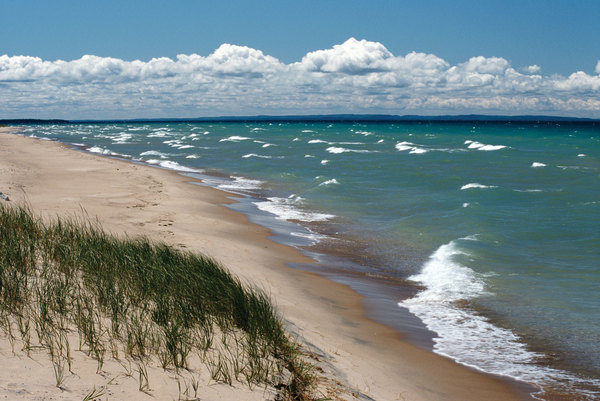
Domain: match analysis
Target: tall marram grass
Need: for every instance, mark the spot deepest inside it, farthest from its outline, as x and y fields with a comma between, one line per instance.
x=144, y=299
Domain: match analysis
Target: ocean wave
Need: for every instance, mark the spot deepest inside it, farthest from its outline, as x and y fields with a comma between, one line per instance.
x=98, y=150
x=581, y=155
x=476, y=185
x=241, y=183
x=234, y=138
x=255, y=155
x=307, y=130
x=333, y=181
x=484, y=147
x=468, y=337
x=155, y=153
x=414, y=149
x=537, y=164
x=171, y=165
x=324, y=161
x=312, y=141
x=289, y=209
x=337, y=150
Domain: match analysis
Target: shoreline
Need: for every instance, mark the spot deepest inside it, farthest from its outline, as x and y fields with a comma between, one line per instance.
x=368, y=356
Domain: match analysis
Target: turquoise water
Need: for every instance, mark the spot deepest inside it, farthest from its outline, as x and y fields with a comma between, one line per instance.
x=500, y=223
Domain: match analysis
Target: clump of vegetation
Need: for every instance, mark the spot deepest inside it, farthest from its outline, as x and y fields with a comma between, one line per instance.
x=144, y=299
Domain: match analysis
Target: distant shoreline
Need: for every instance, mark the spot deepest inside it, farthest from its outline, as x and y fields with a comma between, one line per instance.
x=321, y=118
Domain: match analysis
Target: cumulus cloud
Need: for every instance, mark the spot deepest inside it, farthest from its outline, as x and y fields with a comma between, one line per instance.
x=357, y=76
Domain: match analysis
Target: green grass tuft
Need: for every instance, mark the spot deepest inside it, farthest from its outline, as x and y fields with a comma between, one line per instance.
x=154, y=300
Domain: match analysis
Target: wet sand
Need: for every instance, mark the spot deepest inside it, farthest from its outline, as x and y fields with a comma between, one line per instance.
x=359, y=358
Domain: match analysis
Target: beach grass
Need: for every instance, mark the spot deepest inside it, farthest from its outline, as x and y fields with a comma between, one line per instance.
x=140, y=299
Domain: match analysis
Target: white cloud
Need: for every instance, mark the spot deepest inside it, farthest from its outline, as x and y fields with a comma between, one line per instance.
x=357, y=76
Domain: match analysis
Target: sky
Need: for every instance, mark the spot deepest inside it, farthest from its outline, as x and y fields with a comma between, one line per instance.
x=141, y=59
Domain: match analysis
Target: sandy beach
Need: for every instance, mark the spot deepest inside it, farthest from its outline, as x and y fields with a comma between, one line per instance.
x=357, y=358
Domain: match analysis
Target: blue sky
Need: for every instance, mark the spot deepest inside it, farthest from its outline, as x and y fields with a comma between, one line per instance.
x=550, y=39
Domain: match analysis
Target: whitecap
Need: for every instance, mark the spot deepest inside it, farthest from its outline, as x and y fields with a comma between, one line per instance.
x=154, y=153
x=290, y=209
x=255, y=155
x=324, y=162
x=317, y=141
x=234, y=138
x=476, y=185
x=581, y=155
x=537, y=164
x=171, y=165
x=241, y=183
x=337, y=150
x=484, y=147
x=307, y=130
x=333, y=181
x=192, y=156
x=468, y=337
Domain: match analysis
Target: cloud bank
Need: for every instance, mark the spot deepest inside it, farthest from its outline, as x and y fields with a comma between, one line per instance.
x=357, y=76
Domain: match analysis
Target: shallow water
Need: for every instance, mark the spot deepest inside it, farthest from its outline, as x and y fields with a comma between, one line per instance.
x=500, y=223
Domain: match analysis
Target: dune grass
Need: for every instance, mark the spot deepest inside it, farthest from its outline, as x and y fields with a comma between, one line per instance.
x=139, y=298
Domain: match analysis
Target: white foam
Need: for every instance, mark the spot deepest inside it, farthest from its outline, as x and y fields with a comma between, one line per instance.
x=365, y=133
x=242, y=183
x=484, y=147
x=402, y=146
x=155, y=153
x=537, y=164
x=466, y=336
x=581, y=155
x=192, y=156
x=380, y=141
x=288, y=209
x=171, y=165
x=266, y=145
x=309, y=156
x=307, y=130
x=466, y=204
x=333, y=181
x=257, y=129
x=317, y=141
x=414, y=149
x=158, y=134
x=324, y=162
x=122, y=138
x=97, y=149
x=255, y=155
x=476, y=185
x=234, y=138
x=185, y=147
x=337, y=150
